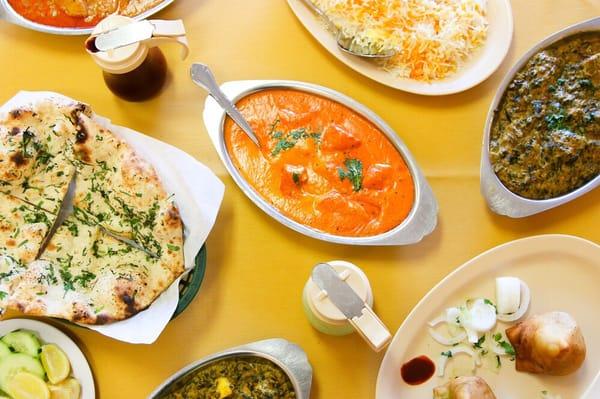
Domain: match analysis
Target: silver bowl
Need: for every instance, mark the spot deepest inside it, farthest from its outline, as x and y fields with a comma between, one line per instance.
x=422, y=218
x=286, y=355
x=9, y=14
x=499, y=198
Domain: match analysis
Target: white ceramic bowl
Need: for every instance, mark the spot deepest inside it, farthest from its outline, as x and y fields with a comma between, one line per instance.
x=52, y=335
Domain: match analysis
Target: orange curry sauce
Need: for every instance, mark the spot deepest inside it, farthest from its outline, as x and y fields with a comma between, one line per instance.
x=321, y=164
x=47, y=12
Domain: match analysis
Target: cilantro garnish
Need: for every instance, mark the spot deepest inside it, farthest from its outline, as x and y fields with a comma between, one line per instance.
x=353, y=172
x=172, y=247
x=286, y=141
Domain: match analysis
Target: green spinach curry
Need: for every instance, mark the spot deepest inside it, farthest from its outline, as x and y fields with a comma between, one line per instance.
x=236, y=378
x=545, y=138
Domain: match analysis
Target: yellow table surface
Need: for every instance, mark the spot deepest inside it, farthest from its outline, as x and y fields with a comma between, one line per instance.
x=256, y=267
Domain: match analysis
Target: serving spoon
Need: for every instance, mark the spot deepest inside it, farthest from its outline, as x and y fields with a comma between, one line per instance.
x=344, y=43
x=203, y=77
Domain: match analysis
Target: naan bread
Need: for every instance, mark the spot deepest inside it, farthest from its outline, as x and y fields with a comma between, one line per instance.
x=34, y=155
x=84, y=274
x=23, y=228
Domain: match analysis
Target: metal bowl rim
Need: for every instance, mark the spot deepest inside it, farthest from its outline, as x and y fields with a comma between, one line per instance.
x=486, y=169
x=13, y=16
x=239, y=351
x=418, y=180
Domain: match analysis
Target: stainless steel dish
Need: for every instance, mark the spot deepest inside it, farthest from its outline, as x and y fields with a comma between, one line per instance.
x=422, y=218
x=7, y=13
x=288, y=356
x=500, y=199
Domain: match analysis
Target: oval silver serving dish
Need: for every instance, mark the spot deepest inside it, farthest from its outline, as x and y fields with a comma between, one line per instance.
x=499, y=198
x=420, y=221
x=286, y=355
x=9, y=14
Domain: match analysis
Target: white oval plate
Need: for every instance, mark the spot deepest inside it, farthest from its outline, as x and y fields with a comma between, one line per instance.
x=563, y=274
x=52, y=335
x=475, y=71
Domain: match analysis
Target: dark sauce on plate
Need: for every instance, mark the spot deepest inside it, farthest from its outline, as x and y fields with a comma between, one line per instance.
x=418, y=370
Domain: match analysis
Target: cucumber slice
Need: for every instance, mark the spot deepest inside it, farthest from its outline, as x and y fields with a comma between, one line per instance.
x=21, y=341
x=4, y=351
x=15, y=362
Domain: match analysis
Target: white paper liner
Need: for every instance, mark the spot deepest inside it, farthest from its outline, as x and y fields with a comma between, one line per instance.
x=198, y=194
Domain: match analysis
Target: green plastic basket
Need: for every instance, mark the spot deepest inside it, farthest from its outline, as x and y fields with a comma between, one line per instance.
x=189, y=285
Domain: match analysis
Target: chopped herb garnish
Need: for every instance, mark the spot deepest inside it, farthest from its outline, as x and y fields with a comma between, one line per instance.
x=555, y=121
x=172, y=247
x=448, y=354
x=288, y=140
x=73, y=229
x=296, y=178
x=353, y=172
x=488, y=302
x=480, y=341
x=282, y=145
x=84, y=278
x=508, y=348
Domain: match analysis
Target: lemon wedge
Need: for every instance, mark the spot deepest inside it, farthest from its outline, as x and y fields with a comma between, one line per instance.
x=25, y=385
x=55, y=363
x=68, y=389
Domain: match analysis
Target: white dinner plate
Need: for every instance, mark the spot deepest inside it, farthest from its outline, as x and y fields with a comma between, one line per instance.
x=52, y=335
x=483, y=63
x=563, y=273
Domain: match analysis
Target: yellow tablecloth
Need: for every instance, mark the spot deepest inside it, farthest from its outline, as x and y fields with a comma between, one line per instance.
x=256, y=267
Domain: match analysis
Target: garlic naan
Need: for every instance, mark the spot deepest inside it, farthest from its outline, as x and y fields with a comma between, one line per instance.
x=85, y=273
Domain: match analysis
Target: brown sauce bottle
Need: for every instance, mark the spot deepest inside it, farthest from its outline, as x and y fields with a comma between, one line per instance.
x=142, y=83
x=135, y=72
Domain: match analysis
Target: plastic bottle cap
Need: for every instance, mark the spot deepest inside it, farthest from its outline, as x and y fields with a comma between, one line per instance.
x=123, y=59
x=320, y=304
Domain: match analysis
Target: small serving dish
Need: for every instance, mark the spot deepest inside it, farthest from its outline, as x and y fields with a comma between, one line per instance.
x=422, y=217
x=499, y=198
x=7, y=13
x=51, y=335
x=287, y=356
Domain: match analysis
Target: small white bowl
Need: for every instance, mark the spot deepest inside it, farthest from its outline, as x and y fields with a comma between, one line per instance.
x=52, y=335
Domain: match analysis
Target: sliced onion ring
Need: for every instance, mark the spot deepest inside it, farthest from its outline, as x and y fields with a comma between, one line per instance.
x=448, y=341
x=472, y=335
x=443, y=360
x=436, y=321
x=523, y=306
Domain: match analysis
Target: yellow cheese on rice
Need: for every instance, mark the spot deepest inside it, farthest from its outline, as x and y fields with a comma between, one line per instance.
x=431, y=38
